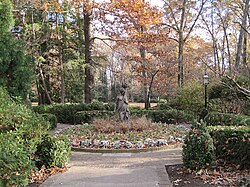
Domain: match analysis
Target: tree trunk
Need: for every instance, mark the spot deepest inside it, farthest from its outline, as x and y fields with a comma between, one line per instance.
x=244, y=55
x=89, y=69
x=228, y=50
x=181, y=45
x=80, y=43
x=145, y=84
x=60, y=57
x=241, y=35
x=44, y=97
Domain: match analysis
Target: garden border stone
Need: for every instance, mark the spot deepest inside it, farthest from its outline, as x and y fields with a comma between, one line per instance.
x=150, y=149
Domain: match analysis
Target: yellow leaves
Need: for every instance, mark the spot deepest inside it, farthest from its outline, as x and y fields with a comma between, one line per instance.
x=86, y=5
x=52, y=6
x=137, y=11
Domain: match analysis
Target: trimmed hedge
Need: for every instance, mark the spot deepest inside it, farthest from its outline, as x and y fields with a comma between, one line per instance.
x=85, y=113
x=225, y=119
x=52, y=120
x=164, y=106
x=164, y=116
x=89, y=116
x=168, y=116
x=66, y=113
x=232, y=144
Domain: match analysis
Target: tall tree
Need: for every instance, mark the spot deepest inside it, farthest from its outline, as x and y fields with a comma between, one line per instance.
x=242, y=35
x=181, y=17
x=130, y=24
x=16, y=67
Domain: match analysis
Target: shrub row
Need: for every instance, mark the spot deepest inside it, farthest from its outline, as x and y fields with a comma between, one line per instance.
x=89, y=116
x=203, y=144
x=65, y=113
x=21, y=134
x=164, y=116
x=232, y=144
x=225, y=119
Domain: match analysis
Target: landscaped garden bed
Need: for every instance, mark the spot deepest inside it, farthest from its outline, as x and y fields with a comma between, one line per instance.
x=139, y=133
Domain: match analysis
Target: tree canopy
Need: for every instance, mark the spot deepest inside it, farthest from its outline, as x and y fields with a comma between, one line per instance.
x=79, y=46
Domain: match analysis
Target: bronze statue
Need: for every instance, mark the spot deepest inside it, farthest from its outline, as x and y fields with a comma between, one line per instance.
x=122, y=105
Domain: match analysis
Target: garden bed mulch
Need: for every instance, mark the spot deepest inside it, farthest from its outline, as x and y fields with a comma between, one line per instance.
x=222, y=175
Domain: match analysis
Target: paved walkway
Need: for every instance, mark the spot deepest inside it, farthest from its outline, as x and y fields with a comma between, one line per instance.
x=117, y=170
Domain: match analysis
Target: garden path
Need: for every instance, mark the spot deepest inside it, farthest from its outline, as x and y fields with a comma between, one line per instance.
x=145, y=169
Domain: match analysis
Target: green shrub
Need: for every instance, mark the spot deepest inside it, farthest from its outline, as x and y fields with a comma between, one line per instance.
x=21, y=130
x=164, y=106
x=169, y=116
x=225, y=119
x=53, y=151
x=164, y=116
x=89, y=116
x=52, y=119
x=198, y=147
x=232, y=144
x=96, y=105
x=134, y=108
x=20, y=119
x=82, y=113
x=66, y=113
x=15, y=163
x=190, y=98
x=226, y=97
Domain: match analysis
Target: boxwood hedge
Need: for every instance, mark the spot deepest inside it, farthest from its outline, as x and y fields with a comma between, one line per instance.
x=232, y=144
x=227, y=119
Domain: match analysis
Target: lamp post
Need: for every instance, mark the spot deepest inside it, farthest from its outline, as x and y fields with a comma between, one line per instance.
x=205, y=81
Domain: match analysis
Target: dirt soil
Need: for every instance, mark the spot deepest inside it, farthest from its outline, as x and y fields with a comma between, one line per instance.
x=223, y=175
x=179, y=176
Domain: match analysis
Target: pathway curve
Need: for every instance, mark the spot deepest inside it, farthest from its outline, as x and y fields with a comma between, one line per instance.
x=145, y=169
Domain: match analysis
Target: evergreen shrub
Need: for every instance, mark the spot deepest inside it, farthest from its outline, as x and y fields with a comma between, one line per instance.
x=232, y=144
x=164, y=116
x=21, y=130
x=198, y=147
x=190, y=98
x=164, y=106
x=15, y=163
x=89, y=116
x=53, y=151
x=169, y=116
x=66, y=113
x=52, y=119
x=226, y=119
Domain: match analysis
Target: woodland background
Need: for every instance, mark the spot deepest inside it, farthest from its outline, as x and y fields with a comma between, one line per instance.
x=61, y=51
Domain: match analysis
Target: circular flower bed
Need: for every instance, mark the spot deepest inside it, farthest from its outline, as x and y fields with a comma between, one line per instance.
x=104, y=135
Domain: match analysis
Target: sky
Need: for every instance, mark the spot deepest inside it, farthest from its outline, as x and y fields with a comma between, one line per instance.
x=157, y=3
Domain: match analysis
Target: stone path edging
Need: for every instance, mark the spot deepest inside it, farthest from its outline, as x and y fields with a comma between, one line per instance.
x=78, y=149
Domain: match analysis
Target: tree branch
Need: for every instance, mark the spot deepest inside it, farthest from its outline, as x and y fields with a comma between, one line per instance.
x=241, y=89
x=197, y=17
